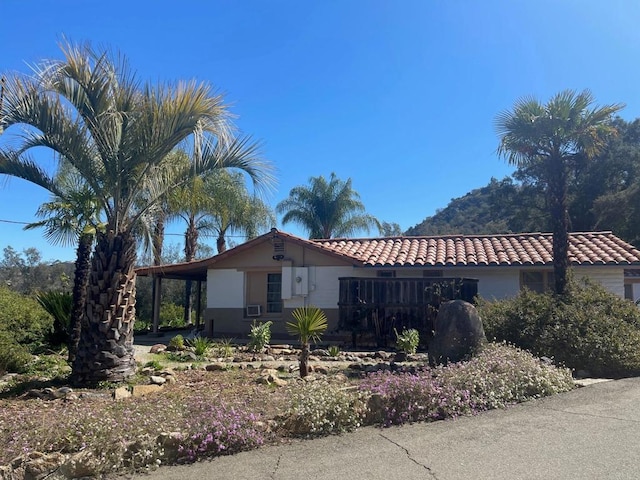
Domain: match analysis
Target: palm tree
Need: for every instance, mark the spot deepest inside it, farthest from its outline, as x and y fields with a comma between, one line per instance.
x=68, y=220
x=310, y=323
x=234, y=209
x=90, y=109
x=550, y=140
x=191, y=203
x=327, y=209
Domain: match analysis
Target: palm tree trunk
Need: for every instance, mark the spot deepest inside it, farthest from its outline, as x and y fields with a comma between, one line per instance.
x=158, y=240
x=105, y=351
x=560, y=223
x=304, y=359
x=80, y=283
x=190, y=249
x=221, y=243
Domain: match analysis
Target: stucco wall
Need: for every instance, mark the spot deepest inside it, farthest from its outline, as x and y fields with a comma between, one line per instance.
x=611, y=278
x=225, y=288
x=227, y=284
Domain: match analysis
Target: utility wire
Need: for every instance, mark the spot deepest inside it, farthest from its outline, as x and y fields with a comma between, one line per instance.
x=173, y=234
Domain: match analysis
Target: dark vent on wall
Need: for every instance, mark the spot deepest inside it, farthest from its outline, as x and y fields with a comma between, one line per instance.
x=432, y=273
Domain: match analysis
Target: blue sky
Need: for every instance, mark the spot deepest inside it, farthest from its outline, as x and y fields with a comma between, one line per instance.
x=400, y=96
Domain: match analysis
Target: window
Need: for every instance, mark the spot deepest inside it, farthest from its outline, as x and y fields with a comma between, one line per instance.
x=274, y=293
x=539, y=282
x=628, y=291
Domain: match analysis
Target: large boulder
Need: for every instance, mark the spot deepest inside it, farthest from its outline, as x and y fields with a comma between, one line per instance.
x=458, y=332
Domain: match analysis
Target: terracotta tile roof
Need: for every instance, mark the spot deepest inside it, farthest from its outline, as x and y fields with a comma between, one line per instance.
x=591, y=248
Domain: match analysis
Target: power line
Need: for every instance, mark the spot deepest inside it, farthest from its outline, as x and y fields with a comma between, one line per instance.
x=166, y=234
x=13, y=221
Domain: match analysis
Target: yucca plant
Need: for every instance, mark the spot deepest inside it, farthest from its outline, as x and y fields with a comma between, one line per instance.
x=310, y=323
x=200, y=345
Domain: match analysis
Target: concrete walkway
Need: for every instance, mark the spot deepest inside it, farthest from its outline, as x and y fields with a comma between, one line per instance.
x=590, y=433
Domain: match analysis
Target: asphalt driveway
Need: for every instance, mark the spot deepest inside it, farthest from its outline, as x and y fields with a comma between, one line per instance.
x=589, y=433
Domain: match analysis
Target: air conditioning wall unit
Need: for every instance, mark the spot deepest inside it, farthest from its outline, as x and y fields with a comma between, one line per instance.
x=254, y=310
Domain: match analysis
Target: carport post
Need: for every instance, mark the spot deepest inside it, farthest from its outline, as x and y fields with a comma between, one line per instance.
x=198, y=302
x=155, y=310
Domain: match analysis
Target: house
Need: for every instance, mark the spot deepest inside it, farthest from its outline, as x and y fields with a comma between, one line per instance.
x=385, y=283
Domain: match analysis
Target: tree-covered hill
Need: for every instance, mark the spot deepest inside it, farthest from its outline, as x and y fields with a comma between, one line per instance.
x=604, y=194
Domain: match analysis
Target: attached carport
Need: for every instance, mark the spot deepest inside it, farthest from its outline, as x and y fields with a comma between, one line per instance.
x=189, y=271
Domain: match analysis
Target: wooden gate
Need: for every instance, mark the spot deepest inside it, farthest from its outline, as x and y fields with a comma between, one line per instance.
x=374, y=307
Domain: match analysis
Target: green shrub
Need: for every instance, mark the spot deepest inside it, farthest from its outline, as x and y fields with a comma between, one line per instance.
x=333, y=350
x=21, y=316
x=320, y=408
x=200, y=345
x=155, y=364
x=588, y=329
x=259, y=336
x=177, y=343
x=171, y=315
x=59, y=305
x=14, y=357
x=408, y=340
x=223, y=347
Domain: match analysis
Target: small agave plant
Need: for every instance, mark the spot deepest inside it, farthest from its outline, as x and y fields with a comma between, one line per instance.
x=310, y=323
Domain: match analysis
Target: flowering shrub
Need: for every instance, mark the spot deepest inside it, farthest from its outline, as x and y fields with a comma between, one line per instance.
x=498, y=376
x=224, y=413
x=126, y=435
x=320, y=408
x=219, y=430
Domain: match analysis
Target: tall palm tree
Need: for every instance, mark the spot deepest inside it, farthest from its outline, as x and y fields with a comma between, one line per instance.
x=234, y=209
x=90, y=109
x=327, y=209
x=550, y=140
x=72, y=219
x=191, y=203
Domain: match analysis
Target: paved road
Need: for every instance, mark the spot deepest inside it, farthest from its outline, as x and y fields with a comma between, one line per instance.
x=589, y=433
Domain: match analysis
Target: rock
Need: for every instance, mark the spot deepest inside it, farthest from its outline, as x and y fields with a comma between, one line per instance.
x=400, y=357
x=320, y=352
x=381, y=354
x=313, y=359
x=34, y=393
x=121, y=393
x=171, y=379
x=142, y=390
x=63, y=392
x=80, y=465
x=375, y=409
x=157, y=380
x=39, y=465
x=158, y=348
x=458, y=332
x=355, y=366
x=215, y=367
x=321, y=369
x=270, y=377
x=170, y=442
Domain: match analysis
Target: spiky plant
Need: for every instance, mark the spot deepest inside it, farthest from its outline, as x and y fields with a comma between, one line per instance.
x=310, y=323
